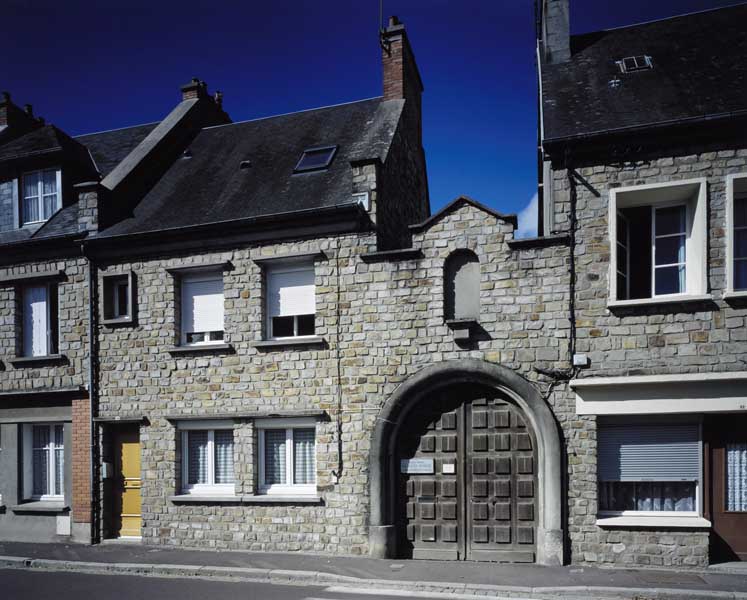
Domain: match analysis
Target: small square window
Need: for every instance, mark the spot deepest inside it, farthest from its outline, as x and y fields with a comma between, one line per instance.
x=202, y=309
x=287, y=456
x=41, y=196
x=118, y=298
x=208, y=461
x=291, y=301
x=314, y=159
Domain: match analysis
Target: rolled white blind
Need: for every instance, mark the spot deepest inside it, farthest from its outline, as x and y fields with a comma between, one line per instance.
x=35, y=321
x=202, y=304
x=291, y=292
x=648, y=452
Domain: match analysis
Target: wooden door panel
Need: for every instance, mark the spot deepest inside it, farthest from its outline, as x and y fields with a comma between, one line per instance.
x=128, y=483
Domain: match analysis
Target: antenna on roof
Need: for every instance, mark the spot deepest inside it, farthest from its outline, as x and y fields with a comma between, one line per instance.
x=382, y=40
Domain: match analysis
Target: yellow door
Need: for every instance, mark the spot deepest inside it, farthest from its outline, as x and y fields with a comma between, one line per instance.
x=128, y=482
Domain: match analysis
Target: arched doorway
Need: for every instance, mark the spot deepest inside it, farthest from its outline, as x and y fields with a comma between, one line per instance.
x=503, y=442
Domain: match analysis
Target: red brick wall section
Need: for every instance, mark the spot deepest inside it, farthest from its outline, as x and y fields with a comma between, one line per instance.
x=81, y=461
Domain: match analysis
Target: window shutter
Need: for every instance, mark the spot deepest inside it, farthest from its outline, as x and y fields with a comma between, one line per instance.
x=648, y=452
x=202, y=304
x=35, y=321
x=292, y=292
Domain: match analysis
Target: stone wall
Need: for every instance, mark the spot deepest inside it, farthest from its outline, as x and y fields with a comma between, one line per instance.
x=7, y=205
x=646, y=340
x=382, y=322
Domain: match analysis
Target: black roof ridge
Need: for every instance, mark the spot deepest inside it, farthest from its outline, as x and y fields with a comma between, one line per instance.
x=294, y=112
x=670, y=18
x=115, y=129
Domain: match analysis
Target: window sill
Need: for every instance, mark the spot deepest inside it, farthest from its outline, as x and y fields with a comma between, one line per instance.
x=654, y=521
x=282, y=499
x=30, y=361
x=41, y=506
x=248, y=499
x=677, y=299
x=205, y=499
x=202, y=349
x=118, y=321
x=300, y=341
x=741, y=294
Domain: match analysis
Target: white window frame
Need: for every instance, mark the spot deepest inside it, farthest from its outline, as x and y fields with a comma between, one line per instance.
x=694, y=194
x=304, y=266
x=28, y=463
x=211, y=488
x=288, y=424
x=602, y=514
x=22, y=195
x=626, y=245
x=363, y=199
x=655, y=236
x=731, y=183
x=196, y=277
x=53, y=320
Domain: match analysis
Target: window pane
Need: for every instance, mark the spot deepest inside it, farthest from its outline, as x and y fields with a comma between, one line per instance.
x=670, y=220
x=622, y=229
x=49, y=206
x=197, y=457
x=122, y=300
x=282, y=326
x=202, y=305
x=31, y=185
x=305, y=324
x=673, y=496
x=291, y=292
x=59, y=459
x=303, y=456
x=622, y=259
x=736, y=477
x=224, y=456
x=275, y=456
x=740, y=275
x=670, y=280
x=670, y=250
x=31, y=210
x=315, y=159
x=740, y=212
x=622, y=287
x=740, y=243
x=35, y=321
x=40, y=459
x=49, y=182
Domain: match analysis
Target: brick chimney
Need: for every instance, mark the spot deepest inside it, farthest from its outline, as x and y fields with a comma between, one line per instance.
x=194, y=89
x=555, y=31
x=401, y=75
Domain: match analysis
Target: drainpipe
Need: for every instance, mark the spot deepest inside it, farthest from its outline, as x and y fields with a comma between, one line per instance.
x=92, y=387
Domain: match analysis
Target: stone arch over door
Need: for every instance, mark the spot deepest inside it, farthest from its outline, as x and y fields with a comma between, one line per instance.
x=383, y=470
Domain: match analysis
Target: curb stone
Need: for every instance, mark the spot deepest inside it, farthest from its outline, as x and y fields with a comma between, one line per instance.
x=290, y=577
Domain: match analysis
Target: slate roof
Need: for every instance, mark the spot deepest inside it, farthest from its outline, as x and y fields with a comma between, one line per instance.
x=699, y=69
x=210, y=187
x=38, y=141
x=108, y=148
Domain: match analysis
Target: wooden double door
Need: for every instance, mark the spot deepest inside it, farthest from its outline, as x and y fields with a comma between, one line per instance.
x=467, y=479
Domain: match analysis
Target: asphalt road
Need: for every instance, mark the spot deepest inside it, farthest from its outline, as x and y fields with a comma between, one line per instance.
x=19, y=584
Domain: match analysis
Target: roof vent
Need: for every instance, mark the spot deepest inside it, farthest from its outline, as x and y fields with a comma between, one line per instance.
x=630, y=64
x=187, y=153
x=245, y=164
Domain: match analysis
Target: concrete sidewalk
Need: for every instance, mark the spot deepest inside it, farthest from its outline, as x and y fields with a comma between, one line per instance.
x=489, y=579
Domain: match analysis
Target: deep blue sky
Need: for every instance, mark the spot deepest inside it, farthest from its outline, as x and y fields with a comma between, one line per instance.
x=92, y=66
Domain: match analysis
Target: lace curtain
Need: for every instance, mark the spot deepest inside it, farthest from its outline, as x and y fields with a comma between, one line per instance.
x=736, y=477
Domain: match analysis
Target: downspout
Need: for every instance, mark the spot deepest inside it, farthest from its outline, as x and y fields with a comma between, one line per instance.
x=92, y=387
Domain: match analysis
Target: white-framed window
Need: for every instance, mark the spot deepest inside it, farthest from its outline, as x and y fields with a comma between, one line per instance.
x=287, y=456
x=44, y=461
x=39, y=314
x=649, y=469
x=41, y=193
x=118, y=297
x=658, y=241
x=291, y=300
x=202, y=308
x=207, y=458
x=736, y=225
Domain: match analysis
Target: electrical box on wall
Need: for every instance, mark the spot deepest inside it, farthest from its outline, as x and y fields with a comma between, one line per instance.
x=580, y=360
x=107, y=470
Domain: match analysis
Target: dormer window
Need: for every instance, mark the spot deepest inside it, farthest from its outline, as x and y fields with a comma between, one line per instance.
x=42, y=195
x=315, y=159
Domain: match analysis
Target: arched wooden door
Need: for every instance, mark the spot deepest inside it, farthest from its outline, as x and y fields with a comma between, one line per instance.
x=467, y=478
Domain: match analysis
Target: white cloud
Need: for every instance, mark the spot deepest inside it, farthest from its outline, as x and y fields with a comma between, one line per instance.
x=528, y=220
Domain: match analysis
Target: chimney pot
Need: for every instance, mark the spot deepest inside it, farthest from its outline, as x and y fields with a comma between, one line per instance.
x=6, y=96
x=393, y=20
x=29, y=110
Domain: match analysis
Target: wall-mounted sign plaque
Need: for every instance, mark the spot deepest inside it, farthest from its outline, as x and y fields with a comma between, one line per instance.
x=421, y=466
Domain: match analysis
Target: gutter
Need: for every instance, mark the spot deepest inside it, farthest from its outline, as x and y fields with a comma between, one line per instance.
x=658, y=125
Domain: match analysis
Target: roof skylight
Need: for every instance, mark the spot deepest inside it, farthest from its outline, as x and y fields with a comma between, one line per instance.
x=630, y=64
x=314, y=159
